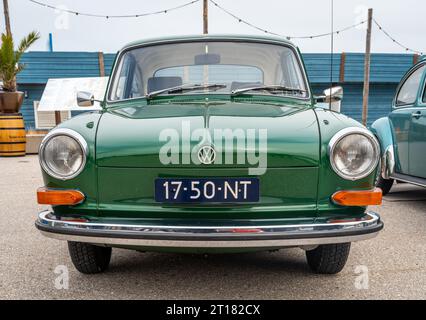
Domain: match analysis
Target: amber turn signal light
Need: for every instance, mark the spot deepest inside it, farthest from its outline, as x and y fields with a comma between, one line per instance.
x=358, y=198
x=59, y=197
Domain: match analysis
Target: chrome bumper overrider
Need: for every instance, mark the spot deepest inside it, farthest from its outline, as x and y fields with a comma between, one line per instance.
x=200, y=236
x=388, y=163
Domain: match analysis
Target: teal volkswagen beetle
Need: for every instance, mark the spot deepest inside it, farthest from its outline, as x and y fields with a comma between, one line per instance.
x=210, y=144
x=402, y=134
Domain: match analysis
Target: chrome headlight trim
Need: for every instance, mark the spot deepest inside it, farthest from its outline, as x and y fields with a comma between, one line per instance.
x=63, y=132
x=347, y=132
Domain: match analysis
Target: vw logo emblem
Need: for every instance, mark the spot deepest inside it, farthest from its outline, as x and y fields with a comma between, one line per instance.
x=206, y=155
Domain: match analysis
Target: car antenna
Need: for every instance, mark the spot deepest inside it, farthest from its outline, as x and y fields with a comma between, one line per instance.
x=332, y=50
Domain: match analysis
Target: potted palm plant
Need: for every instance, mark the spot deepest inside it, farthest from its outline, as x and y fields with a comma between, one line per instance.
x=10, y=98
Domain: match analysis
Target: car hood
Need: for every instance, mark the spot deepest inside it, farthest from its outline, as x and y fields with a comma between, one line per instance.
x=153, y=135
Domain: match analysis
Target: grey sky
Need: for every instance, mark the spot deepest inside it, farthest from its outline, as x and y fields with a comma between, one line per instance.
x=404, y=19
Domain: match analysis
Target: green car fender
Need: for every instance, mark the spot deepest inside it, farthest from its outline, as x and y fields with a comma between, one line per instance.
x=86, y=125
x=382, y=129
x=330, y=123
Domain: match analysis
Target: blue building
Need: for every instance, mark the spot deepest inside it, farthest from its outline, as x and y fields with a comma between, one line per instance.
x=348, y=71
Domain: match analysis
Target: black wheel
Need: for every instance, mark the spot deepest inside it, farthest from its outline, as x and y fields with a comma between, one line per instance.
x=328, y=258
x=384, y=184
x=88, y=258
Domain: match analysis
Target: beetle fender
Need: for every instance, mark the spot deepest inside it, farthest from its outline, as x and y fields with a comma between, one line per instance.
x=381, y=128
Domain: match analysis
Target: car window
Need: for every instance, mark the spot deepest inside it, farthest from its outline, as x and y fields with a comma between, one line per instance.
x=120, y=84
x=408, y=92
x=235, y=65
x=424, y=94
x=215, y=73
x=129, y=82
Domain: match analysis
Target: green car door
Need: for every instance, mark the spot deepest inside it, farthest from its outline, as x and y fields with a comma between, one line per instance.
x=407, y=121
x=417, y=150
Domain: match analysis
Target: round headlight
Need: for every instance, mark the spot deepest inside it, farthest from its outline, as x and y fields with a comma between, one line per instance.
x=354, y=153
x=63, y=154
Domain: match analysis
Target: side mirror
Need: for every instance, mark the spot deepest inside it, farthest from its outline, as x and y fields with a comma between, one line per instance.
x=85, y=99
x=335, y=96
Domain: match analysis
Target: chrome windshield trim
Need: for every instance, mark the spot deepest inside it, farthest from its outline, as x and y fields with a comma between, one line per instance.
x=228, y=96
x=110, y=103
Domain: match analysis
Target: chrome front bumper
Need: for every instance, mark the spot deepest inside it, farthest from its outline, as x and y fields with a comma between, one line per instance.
x=199, y=236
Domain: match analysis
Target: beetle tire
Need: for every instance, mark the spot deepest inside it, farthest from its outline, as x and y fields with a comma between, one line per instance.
x=88, y=258
x=329, y=258
x=384, y=184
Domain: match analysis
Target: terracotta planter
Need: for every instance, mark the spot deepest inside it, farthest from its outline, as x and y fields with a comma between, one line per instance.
x=11, y=102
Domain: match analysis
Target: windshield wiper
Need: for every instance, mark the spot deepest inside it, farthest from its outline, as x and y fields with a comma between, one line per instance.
x=184, y=88
x=273, y=89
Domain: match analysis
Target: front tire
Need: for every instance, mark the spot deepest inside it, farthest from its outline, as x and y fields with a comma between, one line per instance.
x=329, y=258
x=88, y=258
x=384, y=184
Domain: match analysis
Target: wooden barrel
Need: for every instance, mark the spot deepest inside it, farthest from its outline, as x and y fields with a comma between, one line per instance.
x=12, y=135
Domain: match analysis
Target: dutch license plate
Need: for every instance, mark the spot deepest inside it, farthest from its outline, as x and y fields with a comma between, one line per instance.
x=220, y=190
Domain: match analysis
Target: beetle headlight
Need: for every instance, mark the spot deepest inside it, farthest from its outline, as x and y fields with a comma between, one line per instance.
x=354, y=153
x=63, y=154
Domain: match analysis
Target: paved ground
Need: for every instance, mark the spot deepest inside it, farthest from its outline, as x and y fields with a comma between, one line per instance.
x=396, y=260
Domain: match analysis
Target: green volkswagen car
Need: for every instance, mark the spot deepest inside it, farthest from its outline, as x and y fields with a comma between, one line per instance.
x=210, y=144
x=402, y=134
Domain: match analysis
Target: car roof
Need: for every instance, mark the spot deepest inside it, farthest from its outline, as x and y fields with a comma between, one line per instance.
x=219, y=37
x=420, y=62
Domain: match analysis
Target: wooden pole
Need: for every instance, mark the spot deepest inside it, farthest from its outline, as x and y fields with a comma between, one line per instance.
x=205, y=16
x=342, y=67
x=6, y=17
x=416, y=58
x=367, y=69
x=101, y=64
x=58, y=119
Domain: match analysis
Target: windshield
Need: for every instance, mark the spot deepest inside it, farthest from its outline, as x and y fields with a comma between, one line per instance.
x=229, y=66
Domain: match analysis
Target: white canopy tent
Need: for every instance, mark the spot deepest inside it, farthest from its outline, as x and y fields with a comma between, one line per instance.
x=61, y=94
